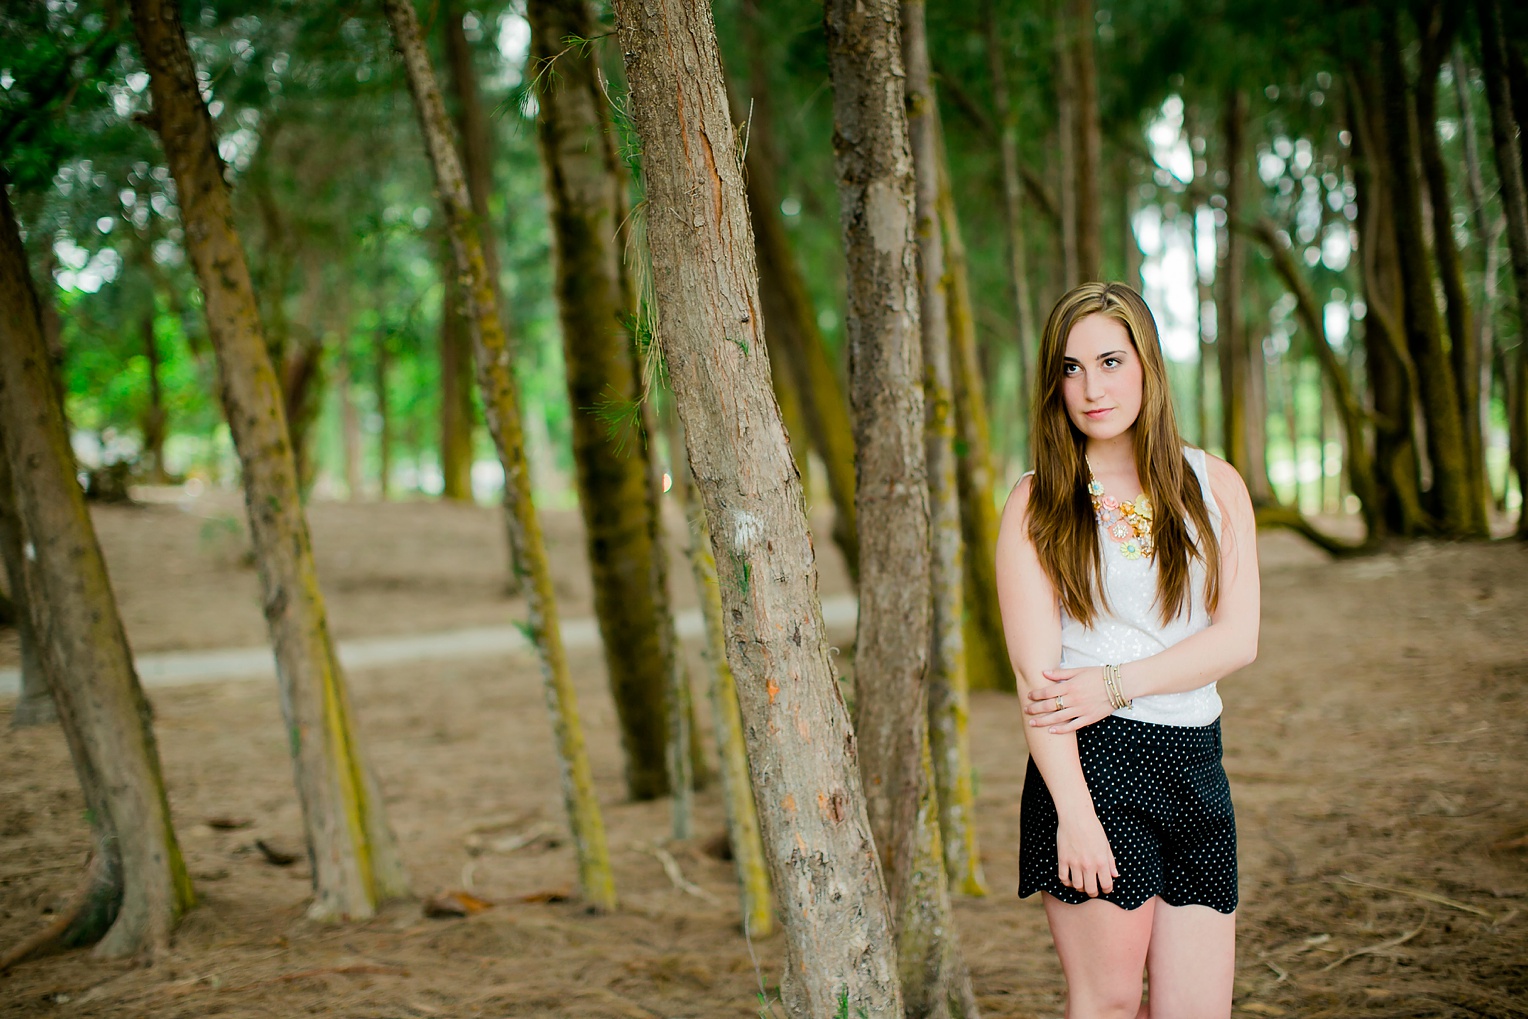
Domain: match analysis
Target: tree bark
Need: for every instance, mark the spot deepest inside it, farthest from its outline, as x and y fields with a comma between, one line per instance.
x=382, y=361
x=457, y=412
x=727, y=719
x=501, y=406
x=948, y=706
x=1027, y=341
x=355, y=859
x=1360, y=465
x=155, y=420
x=1391, y=373
x=987, y=663
x=794, y=336
x=1450, y=490
x=145, y=888
x=34, y=705
x=1489, y=232
x=875, y=187
x=1437, y=28
x=1242, y=408
x=604, y=390
x=1505, y=124
x=1087, y=140
x=801, y=747
x=927, y=946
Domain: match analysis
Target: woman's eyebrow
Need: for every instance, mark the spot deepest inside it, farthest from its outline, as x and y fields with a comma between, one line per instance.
x=1109, y=354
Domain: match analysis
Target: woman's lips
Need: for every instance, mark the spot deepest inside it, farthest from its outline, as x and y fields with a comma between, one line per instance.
x=1098, y=413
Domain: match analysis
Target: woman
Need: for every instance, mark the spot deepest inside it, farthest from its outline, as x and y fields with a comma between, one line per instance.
x=1127, y=575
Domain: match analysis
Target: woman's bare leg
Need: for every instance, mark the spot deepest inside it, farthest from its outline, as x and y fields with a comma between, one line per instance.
x=1103, y=951
x=1191, y=962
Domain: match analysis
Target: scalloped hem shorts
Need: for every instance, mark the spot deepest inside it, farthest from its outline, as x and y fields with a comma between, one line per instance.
x=1162, y=796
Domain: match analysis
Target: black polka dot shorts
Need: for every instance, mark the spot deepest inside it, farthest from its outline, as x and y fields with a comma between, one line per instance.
x=1164, y=802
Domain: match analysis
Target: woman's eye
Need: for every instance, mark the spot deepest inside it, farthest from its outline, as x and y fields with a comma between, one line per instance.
x=1112, y=362
x=1071, y=369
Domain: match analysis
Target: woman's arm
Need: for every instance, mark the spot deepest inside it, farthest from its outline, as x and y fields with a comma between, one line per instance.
x=1227, y=644
x=1032, y=626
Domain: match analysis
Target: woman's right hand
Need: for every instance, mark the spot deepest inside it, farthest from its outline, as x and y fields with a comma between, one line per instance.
x=1083, y=857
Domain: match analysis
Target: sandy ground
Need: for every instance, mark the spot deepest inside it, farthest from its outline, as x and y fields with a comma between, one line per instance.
x=1376, y=750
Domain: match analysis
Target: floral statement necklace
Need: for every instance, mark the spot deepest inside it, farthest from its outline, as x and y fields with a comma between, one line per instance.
x=1128, y=523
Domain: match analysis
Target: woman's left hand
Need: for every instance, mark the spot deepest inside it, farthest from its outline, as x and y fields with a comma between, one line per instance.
x=1070, y=700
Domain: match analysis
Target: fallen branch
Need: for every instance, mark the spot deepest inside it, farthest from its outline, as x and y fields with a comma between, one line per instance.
x=1424, y=896
x=1294, y=520
x=355, y=969
x=46, y=938
x=671, y=868
x=1374, y=949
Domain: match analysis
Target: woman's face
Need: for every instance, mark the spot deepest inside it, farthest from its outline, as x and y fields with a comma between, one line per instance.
x=1102, y=387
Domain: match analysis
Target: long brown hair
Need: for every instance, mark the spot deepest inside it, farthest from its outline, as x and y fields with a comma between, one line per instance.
x=1061, y=521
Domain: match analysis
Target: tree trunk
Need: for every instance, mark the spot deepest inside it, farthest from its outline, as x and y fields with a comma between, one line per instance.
x=948, y=707
x=727, y=720
x=354, y=857
x=794, y=336
x=1067, y=89
x=350, y=424
x=1208, y=333
x=501, y=407
x=1505, y=123
x=1463, y=354
x=1391, y=373
x=456, y=408
x=1359, y=464
x=1489, y=233
x=155, y=421
x=1013, y=215
x=145, y=888
x=1242, y=407
x=382, y=360
x=875, y=188
x=476, y=149
x=1087, y=144
x=1450, y=491
x=604, y=390
x=34, y=705
x=987, y=663
x=304, y=373
x=801, y=747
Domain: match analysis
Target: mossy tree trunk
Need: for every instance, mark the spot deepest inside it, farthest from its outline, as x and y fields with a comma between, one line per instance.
x=801, y=747
x=609, y=445
x=794, y=335
x=948, y=699
x=1359, y=462
x=501, y=407
x=142, y=888
x=1027, y=340
x=354, y=856
x=1243, y=405
x=1450, y=493
x=1081, y=28
x=1437, y=29
x=1388, y=365
x=935, y=981
x=987, y=663
x=1506, y=122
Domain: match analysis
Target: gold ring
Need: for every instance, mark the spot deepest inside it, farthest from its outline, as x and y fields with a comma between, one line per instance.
x=1059, y=705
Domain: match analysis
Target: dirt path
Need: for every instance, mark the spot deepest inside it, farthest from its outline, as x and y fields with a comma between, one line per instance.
x=1377, y=753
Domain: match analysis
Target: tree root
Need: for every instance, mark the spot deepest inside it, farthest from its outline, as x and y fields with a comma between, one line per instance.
x=1294, y=520
x=56, y=935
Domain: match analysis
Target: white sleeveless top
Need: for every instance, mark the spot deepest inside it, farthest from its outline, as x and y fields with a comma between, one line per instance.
x=1129, y=627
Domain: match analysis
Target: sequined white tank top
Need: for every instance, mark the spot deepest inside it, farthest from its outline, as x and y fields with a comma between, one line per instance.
x=1129, y=627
